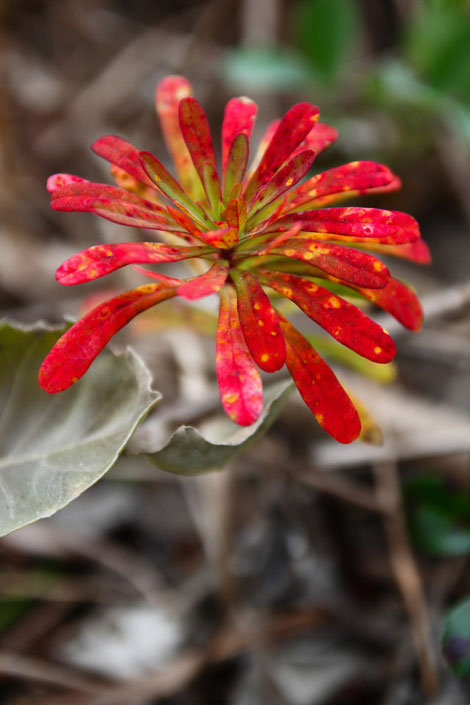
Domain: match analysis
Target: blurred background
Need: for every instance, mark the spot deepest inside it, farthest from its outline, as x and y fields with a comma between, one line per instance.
x=307, y=572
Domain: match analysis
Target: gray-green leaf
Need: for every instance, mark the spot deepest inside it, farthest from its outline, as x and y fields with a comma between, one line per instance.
x=187, y=452
x=53, y=447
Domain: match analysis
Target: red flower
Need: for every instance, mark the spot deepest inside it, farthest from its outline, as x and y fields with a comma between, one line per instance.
x=256, y=228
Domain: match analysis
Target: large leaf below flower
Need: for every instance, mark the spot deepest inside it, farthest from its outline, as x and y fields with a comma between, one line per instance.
x=188, y=452
x=53, y=448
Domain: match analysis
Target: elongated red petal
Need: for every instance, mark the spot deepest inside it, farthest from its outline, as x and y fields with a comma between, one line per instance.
x=349, y=180
x=239, y=118
x=291, y=131
x=289, y=175
x=320, y=137
x=342, y=320
x=123, y=212
x=99, y=260
x=345, y=263
x=73, y=354
x=195, y=288
x=121, y=154
x=416, y=251
x=400, y=301
x=319, y=387
x=58, y=181
x=361, y=224
x=195, y=129
x=62, y=186
x=240, y=385
x=259, y=323
x=208, y=283
x=168, y=94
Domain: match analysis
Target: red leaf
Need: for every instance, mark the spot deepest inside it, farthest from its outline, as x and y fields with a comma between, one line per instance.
x=319, y=387
x=342, y=320
x=99, y=260
x=345, y=263
x=320, y=137
x=398, y=300
x=291, y=131
x=349, y=180
x=259, y=323
x=416, y=251
x=121, y=154
x=73, y=354
x=361, y=224
x=196, y=133
x=240, y=385
x=123, y=212
x=239, y=117
x=208, y=283
x=196, y=287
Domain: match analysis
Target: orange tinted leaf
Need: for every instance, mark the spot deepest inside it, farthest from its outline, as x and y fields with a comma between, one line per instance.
x=319, y=387
x=168, y=94
x=73, y=354
x=235, y=213
x=240, y=385
x=259, y=323
x=342, y=320
x=100, y=260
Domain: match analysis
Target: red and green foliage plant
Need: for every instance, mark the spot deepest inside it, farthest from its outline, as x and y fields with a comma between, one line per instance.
x=254, y=232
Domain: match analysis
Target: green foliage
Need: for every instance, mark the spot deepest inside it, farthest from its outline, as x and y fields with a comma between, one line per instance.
x=437, y=44
x=52, y=448
x=188, y=453
x=326, y=32
x=438, y=516
x=456, y=639
x=268, y=68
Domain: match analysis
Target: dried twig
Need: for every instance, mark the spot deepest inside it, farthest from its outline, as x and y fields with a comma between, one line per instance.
x=406, y=572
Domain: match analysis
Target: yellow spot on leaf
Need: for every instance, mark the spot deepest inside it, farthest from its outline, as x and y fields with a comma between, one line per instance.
x=377, y=350
x=230, y=397
x=378, y=266
x=289, y=181
x=264, y=357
